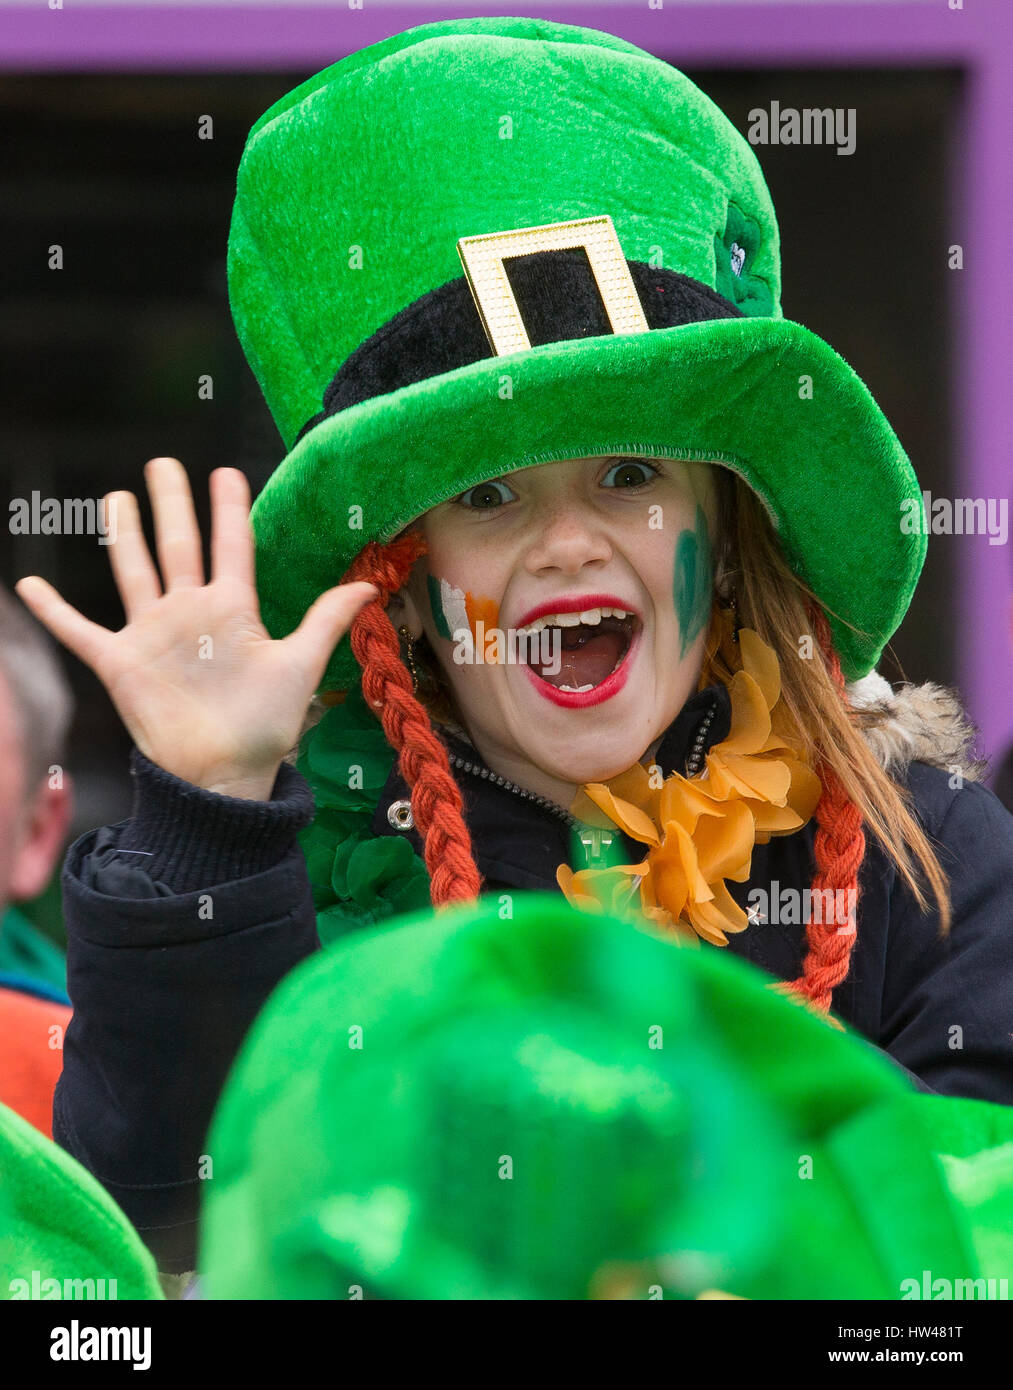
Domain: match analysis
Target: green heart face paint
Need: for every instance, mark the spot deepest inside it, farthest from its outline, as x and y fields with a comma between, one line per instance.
x=693, y=580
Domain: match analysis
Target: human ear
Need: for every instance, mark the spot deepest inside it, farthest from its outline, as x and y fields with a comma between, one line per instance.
x=402, y=610
x=45, y=829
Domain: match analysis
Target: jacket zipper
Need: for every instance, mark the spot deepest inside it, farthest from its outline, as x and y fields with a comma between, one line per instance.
x=497, y=780
x=694, y=765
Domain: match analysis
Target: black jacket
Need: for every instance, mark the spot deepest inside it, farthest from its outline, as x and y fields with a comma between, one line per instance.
x=183, y=919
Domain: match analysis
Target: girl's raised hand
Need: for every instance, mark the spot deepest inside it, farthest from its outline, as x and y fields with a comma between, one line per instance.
x=200, y=685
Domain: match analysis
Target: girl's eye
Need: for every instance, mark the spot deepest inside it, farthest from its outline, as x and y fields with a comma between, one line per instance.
x=630, y=473
x=484, y=496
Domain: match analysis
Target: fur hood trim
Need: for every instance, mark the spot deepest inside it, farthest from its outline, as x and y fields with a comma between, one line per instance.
x=917, y=723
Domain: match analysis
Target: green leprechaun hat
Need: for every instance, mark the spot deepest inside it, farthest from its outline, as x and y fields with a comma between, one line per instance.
x=559, y=1105
x=61, y=1235
x=490, y=243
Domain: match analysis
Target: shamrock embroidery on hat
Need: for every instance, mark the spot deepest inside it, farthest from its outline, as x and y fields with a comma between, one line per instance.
x=737, y=251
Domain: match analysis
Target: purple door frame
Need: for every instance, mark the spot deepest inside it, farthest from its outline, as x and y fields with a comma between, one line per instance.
x=978, y=38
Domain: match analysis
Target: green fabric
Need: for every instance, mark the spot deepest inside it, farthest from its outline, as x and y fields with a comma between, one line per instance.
x=357, y=878
x=975, y=1144
x=58, y=1224
x=25, y=951
x=398, y=149
x=462, y=1106
x=395, y=153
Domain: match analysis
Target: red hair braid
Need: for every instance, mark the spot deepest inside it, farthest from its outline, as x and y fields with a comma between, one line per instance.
x=839, y=850
x=437, y=807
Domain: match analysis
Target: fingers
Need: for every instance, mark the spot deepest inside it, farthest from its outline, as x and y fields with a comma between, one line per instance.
x=177, y=537
x=78, y=634
x=326, y=623
x=132, y=565
x=231, y=537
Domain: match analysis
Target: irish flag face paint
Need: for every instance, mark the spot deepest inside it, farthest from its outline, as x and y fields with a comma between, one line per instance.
x=459, y=610
x=694, y=575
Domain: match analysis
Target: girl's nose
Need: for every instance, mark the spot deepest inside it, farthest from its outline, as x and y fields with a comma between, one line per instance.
x=567, y=538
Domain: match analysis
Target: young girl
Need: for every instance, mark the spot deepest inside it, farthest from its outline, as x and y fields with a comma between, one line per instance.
x=619, y=548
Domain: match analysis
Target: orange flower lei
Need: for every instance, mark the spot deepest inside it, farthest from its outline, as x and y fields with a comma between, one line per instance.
x=701, y=831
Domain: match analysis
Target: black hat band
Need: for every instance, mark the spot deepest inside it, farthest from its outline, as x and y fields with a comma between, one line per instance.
x=559, y=301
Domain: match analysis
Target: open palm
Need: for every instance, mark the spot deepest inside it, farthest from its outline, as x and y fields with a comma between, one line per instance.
x=202, y=688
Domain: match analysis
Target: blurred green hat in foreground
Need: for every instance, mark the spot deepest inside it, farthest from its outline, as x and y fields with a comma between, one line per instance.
x=552, y=1105
x=61, y=1235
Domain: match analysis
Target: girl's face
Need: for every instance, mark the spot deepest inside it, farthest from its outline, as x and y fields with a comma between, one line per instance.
x=568, y=606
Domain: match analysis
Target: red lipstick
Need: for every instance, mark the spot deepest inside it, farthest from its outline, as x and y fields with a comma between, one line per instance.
x=577, y=603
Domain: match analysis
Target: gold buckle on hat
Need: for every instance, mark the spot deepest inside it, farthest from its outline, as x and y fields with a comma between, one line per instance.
x=483, y=257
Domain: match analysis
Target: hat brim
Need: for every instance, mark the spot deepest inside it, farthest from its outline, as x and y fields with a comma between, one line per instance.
x=766, y=398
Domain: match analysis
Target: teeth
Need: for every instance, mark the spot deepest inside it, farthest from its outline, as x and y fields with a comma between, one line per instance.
x=588, y=615
x=575, y=689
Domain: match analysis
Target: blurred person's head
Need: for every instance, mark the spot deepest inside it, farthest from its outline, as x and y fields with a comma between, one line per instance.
x=35, y=712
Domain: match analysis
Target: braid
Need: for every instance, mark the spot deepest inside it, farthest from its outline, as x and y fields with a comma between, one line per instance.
x=437, y=807
x=839, y=850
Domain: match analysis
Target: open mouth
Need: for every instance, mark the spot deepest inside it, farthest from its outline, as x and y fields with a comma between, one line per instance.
x=592, y=647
